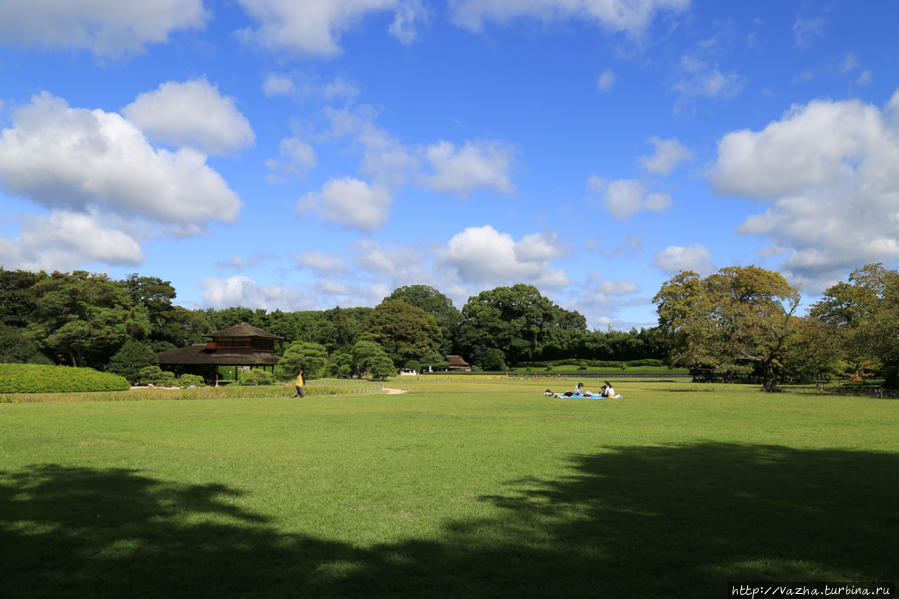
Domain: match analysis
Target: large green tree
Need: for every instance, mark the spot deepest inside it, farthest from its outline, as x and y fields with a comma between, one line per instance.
x=434, y=303
x=864, y=315
x=517, y=320
x=302, y=355
x=84, y=318
x=405, y=332
x=739, y=319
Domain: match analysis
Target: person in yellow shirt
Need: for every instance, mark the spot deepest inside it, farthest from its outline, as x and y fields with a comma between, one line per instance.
x=299, y=392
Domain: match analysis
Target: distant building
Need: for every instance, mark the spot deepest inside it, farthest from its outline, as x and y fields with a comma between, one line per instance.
x=454, y=363
x=241, y=345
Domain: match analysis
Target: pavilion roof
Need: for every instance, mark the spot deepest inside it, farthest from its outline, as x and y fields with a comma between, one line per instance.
x=454, y=360
x=197, y=354
x=243, y=330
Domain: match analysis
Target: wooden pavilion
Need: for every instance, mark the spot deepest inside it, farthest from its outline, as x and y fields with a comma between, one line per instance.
x=242, y=346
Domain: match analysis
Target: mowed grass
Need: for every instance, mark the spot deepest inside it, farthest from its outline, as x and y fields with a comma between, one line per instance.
x=461, y=487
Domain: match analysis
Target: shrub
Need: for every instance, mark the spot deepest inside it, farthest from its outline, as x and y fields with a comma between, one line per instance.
x=340, y=365
x=154, y=375
x=302, y=355
x=42, y=378
x=255, y=377
x=129, y=360
x=381, y=367
x=493, y=359
x=191, y=380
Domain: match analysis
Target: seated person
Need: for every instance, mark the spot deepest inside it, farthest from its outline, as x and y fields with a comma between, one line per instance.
x=608, y=390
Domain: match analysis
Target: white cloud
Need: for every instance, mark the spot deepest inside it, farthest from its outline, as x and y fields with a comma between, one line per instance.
x=864, y=78
x=192, y=113
x=631, y=16
x=321, y=261
x=699, y=80
x=409, y=14
x=806, y=30
x=244, y=291
x=539, y=247
x=105, y=27
x=483, y=255
x=461, y=169
x=385, y=158
x=849, y=63
x=676, y=258
x=351, y=202
x=392, y=262
x=315, y=26
x=606, y=80
x=668, y=155
x=600, y=300
x=277, y=85
x=78, y=159
x=66, y=240
x=624, y=198
x=297, y=157
x=477, y=164
x=238, y=263
x=625, y=287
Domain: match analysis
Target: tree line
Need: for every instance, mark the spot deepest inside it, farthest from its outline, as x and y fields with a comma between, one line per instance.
x=88, y=319
x=737, y=322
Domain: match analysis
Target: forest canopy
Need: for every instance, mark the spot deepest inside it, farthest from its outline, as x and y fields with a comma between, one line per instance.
x=738, y=322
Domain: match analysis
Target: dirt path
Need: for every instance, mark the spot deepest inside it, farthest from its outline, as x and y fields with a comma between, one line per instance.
x=391, y=391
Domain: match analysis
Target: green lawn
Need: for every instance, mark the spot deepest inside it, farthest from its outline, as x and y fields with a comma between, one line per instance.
x=461, y=487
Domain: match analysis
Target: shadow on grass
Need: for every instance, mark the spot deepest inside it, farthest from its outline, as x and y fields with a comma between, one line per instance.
x=677, y=521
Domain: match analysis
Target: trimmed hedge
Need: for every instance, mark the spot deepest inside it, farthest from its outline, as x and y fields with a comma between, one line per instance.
x=41, y=378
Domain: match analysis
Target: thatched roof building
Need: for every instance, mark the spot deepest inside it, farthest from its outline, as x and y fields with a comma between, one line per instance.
x=238, y=345
x=453, y=362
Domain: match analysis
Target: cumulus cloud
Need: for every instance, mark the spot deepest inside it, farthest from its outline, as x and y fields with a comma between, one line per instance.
x=486, y=256
x=105, y=27
x=668, y=155
x=243, y=291
x=315, y=26
x=624, y=198
x=632, y=16
x=277, y=85
x=322, y=262
x=477, y=164
x=297, y=157
x=192, y=113
x=828, y=171
x=65, y=240
x=607, y=287
x=606, y=80
x=676, y=258
x=385, y=157
x=78, y=159
x=700, y=80
x=458, y=169
x=238, y=263
x=409, y=15
x=600, y=300
x=351, y=202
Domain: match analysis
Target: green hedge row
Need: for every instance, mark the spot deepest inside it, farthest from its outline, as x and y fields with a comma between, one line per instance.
x=594, y=363
x=40, y=378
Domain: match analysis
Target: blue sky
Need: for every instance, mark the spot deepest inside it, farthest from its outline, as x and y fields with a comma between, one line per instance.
x=302, y=155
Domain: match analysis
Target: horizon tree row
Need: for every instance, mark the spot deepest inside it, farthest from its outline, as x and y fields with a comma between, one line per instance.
x=740, y=321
